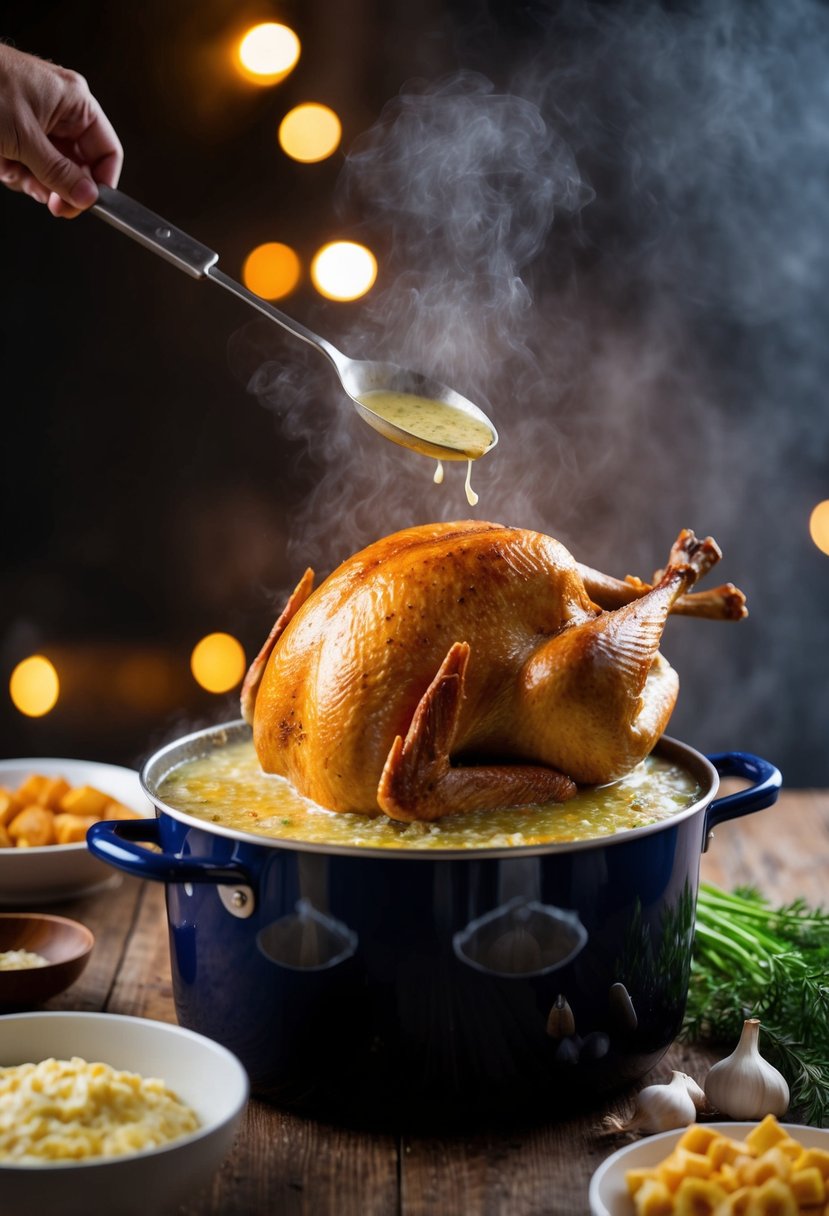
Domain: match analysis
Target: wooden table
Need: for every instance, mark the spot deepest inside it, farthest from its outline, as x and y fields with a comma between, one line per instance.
x=283, y=1164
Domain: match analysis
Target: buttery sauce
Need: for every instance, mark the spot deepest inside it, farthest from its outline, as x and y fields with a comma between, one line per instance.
x=228, y=788
x=434, y=422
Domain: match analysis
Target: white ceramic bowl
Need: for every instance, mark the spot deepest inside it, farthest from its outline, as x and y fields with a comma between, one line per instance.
x=608, y=1192
x=63, y=871
x=202, y=1073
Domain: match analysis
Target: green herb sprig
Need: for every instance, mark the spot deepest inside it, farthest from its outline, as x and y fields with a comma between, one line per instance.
x=753, y=960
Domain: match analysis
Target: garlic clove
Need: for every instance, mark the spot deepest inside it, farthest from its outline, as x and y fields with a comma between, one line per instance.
x=744, y=1085
x=696, y=1094
x=659, y=1108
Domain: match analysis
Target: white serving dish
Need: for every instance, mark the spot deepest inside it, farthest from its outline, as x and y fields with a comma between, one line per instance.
x=30, y=877
x=608, y=1193
x=202, y=1073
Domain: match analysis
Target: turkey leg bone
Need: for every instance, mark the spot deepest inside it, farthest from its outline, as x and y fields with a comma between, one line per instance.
x=612, y=662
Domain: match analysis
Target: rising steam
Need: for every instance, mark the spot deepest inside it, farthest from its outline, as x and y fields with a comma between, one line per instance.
x=612, y=236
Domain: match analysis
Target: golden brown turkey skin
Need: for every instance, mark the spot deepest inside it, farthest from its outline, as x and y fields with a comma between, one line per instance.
x=468, y=642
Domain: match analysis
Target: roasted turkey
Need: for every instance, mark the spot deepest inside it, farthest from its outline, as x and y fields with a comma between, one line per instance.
x=463, y=666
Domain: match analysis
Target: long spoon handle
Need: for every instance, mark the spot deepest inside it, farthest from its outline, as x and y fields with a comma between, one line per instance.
x=161, y=237
x=273, y=314
x=153, y=232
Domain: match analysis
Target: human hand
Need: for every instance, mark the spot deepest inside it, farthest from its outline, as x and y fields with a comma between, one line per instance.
x=56, y=142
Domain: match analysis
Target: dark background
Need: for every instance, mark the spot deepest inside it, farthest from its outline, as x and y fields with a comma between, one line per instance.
x=653, y=353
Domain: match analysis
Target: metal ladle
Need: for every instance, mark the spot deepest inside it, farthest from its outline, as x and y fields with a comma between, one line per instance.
x=358, y=377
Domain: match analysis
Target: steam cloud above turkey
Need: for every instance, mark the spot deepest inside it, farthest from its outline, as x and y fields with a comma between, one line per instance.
x=609, y=231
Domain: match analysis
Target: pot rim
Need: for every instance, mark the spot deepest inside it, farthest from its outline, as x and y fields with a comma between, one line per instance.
x=159, y=765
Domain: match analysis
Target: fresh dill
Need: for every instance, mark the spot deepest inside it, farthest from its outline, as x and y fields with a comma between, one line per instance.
x=754, y=960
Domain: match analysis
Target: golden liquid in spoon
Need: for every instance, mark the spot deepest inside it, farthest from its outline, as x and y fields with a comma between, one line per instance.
x=431, y=421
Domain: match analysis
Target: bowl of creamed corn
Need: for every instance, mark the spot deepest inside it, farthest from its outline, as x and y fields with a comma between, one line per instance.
x=102, y=1113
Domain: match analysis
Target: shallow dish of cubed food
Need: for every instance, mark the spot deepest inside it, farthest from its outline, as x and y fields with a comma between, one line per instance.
x=630, y=1168
x=34, y=873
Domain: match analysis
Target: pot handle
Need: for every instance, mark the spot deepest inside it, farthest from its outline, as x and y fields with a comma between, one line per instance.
x=114, y=841
x=766, y=781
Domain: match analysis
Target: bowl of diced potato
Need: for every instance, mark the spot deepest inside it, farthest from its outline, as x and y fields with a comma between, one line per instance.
x=728, y=1169
x=46, y=808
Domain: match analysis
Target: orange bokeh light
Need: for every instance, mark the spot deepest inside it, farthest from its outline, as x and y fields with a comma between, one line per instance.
x=271, y=270
x=34, y=686
x=310, y=132
x=819, y=526
x=218, y=662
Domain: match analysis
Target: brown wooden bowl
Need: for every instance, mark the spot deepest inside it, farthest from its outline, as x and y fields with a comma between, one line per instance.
x=66, y=944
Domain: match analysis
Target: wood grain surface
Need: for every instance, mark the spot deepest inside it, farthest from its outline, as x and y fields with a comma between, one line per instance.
x=284, y=1164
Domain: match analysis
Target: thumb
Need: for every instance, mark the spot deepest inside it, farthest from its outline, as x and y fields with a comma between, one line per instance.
x=57, y=172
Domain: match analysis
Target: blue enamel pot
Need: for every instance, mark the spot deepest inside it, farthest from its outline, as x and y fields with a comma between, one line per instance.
x=385, y=984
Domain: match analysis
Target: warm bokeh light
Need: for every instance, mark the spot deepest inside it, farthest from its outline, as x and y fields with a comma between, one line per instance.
x=310, y=132
x=819, y=526
x=218, y=662
x=271, y=270
x=34, y=686
x=268, y=52
x=343, y=270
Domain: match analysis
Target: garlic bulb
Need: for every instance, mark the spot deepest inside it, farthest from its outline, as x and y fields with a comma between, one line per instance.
x=744, y=1085
x=659, y=1108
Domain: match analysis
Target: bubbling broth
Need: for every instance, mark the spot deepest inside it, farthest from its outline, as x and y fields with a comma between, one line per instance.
x=229, y=789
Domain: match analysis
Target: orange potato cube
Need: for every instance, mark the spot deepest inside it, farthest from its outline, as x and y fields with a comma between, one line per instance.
x=10, y=804
x=682, y=1164
x=723, y=1148
x=670, y=1171
x=653, y=1199
x=84, y=800
x=69, y=829
x=53, y=791
x=773, y=1198
x=635, y=1178
x=744, y=1167
x=790, y=1148
x=6, y=841
x=697, y=1138
x=696, y=1165
x=808, y=1186
x=32, y=827
x=31, y=789
x=765, y=1135
x=737, y=1203
x=817, y=1157
x=698, y=1197
x=726, y=1176
x=772, y=1164
x=117, y=810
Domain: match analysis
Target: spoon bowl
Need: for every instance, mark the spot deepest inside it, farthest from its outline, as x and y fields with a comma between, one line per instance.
x=429, y=405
